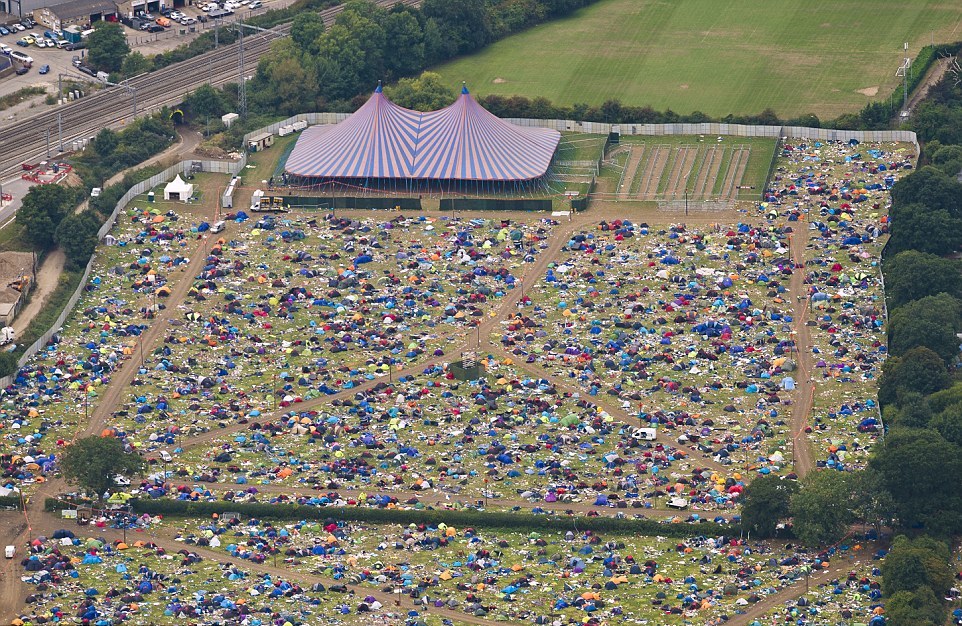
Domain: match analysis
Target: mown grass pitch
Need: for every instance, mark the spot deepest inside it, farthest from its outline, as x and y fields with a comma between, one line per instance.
x=716, y=56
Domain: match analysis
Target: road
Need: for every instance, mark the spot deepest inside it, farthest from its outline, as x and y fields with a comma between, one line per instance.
x=26, y=139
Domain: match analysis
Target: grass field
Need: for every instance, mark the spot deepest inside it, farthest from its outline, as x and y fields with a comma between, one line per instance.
x=716, y=56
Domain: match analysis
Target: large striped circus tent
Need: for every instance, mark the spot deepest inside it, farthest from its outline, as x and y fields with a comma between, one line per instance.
x=385, y=144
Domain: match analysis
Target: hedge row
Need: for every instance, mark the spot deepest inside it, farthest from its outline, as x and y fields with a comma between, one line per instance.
x=461, y=518
x=10, y=502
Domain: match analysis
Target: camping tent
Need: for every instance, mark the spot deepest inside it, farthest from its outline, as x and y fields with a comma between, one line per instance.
x=177, y=189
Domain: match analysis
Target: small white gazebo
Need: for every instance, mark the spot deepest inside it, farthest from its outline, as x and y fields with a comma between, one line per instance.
x=177, y=189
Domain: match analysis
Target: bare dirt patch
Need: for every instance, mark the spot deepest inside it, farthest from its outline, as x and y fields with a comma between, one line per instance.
x=868, y=91
x=683, y=86
x=499, y=81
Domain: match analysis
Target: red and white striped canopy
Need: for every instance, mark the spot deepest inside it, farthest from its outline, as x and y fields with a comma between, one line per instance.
x=460, y=142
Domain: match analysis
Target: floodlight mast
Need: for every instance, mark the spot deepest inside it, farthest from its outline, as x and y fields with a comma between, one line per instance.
x=903, y=71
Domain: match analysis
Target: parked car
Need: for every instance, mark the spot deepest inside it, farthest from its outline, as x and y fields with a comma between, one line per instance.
x=5, y=49
x=22, y=57
x=155, y=28
x=87, y=70
x=23, y=69
x=256, y=4
x=70, y=47
x=44, y=69
x=4, y=31
x=76, y=62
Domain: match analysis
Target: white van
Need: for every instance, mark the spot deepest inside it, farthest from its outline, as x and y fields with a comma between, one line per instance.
x=9, y=551
x=218, y=227
x=647, y=434
x=23, y=57
x=677, y=503
x=165, y=456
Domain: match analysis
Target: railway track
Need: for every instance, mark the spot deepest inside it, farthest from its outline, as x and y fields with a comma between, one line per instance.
x=27, y=139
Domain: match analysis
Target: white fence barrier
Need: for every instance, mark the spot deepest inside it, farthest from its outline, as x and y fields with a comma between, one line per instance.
x=710, y=128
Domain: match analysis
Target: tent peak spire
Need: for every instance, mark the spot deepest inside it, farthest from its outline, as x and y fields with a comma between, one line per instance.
x=464, y=87
x=378, y=88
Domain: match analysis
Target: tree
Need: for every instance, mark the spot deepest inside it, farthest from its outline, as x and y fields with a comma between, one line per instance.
x=948, y=159
x=463, y=25
x=934, y=231
x=403, y=33
x=107, y=46
x=914, y=608
x=77, y=235
x=819, y=509
x=930, y=187
x=205, y=102
x=43, y=207
x=913, y=410
x=915, y=466
x=306, y=31
x=345, y=65
x=917, y=563
x=93, y=462
x=871, y=501
x=943, y=399
x=912, y=275
x=105, y=143
x=425, y=93
x=948, y=423
x=285, y=86
x=919, y=370
x=136, y=64
x=931, y=322
x=765, y=504
x=8, y=363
